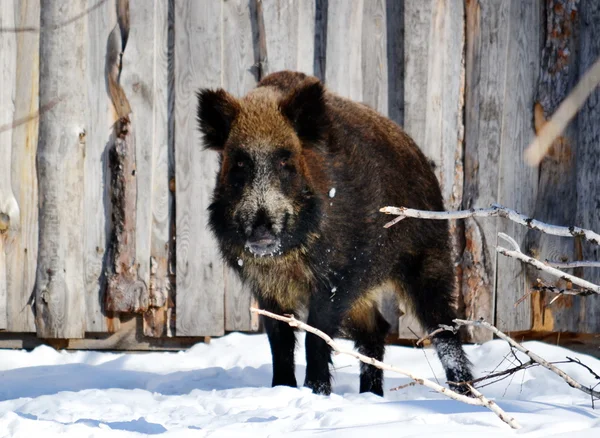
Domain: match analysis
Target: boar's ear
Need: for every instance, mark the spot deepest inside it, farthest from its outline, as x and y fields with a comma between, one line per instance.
x=216, y=112
x=305, y=109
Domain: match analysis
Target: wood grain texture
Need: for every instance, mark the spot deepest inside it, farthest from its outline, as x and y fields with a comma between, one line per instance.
x=200, y=270
x=517, y=185
x=588, y=162
x=433, y=103
x=99, y=137
x=343, y=72
x=59, y=290
x=487, y=35
x=374, y=56
x=237, y=78
x=144, y=80
x=289, y=33
x=22, y=252
x=9, y=208
x=556, y=185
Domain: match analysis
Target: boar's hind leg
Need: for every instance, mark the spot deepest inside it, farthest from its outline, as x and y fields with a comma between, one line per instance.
x=369, y=328
x=283, y=343
x=431, y=293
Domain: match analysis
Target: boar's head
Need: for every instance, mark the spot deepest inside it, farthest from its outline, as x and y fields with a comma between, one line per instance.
x=271, y=145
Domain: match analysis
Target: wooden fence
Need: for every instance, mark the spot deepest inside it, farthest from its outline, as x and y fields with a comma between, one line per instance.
x=470, y=80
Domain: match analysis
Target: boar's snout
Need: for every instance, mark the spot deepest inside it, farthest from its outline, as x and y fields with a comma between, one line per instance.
x=262, y=242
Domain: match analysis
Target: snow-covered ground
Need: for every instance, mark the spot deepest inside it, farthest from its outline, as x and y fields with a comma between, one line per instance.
x=222, y=390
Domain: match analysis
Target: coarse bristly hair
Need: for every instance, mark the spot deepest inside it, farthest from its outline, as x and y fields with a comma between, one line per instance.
x=295, y=209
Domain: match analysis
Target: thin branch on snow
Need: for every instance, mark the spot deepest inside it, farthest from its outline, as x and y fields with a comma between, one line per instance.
x=563, y=114
x=543, y=362
x=494, y=210
x=478, y=400
x=518, y=254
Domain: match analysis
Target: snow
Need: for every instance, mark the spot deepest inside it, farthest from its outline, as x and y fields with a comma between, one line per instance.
x=332, y=192
x=223, y=390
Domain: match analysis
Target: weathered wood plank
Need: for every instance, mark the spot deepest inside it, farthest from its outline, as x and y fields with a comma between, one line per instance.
x=320, y=38
x=487, y=36
x=144, y=79
x=517, y=186
x=99, y=137
x=433, y=103
x=200, y=270
x=126, y=290
x=588, y=162
x=394, y=20
x=289, y=33
x=417, y=30
x=22, y=253
x=237, y=78
x=343, y=72
x=59, y=290
x=556, y=185
x=374, y=56
x=9, y=209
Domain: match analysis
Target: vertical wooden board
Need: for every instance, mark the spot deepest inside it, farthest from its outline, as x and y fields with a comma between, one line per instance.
x=9, y=209
x=59, y=287
x=555, y=202
x=343, y=72
x=417, y=31
x=144, y=79
x=374, y=56
x=487, y=35
x=96, y=183
x=198, y=57
x=394, y=22
x=289, y=34
x=238, y=79
x=306, y=36
x=434, y=101
x=587, y=315
x=517, y=185
x=22, y=254
x=320, y=38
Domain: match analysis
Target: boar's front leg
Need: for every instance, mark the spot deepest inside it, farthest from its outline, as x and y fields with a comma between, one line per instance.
x=283, y=343
x=325, y=316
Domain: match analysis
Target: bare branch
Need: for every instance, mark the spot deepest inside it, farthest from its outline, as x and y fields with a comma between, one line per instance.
x=563, y=115
x=573, y=383
x=540, y=286
x=494, y=210
x=573, y=264
x=517, y=254
x=479, y=399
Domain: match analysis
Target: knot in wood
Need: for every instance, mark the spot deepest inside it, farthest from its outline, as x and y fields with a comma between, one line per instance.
x=4, y=223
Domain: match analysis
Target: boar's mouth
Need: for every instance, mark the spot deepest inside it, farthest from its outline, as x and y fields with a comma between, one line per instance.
x=263, y=243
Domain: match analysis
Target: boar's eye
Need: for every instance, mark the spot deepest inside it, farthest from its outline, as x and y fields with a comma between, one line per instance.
x=283, y=162
x=240, y=164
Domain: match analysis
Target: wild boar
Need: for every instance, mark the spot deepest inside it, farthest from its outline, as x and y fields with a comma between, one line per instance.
x=303, y=174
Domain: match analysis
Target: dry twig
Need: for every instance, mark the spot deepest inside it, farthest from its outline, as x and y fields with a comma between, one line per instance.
x=518, y=254
x=478, y=400
x=573, y=264
x=543, y=362
x=494, y=210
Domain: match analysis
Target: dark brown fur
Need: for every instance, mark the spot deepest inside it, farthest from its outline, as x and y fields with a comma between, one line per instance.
x=283, y=147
